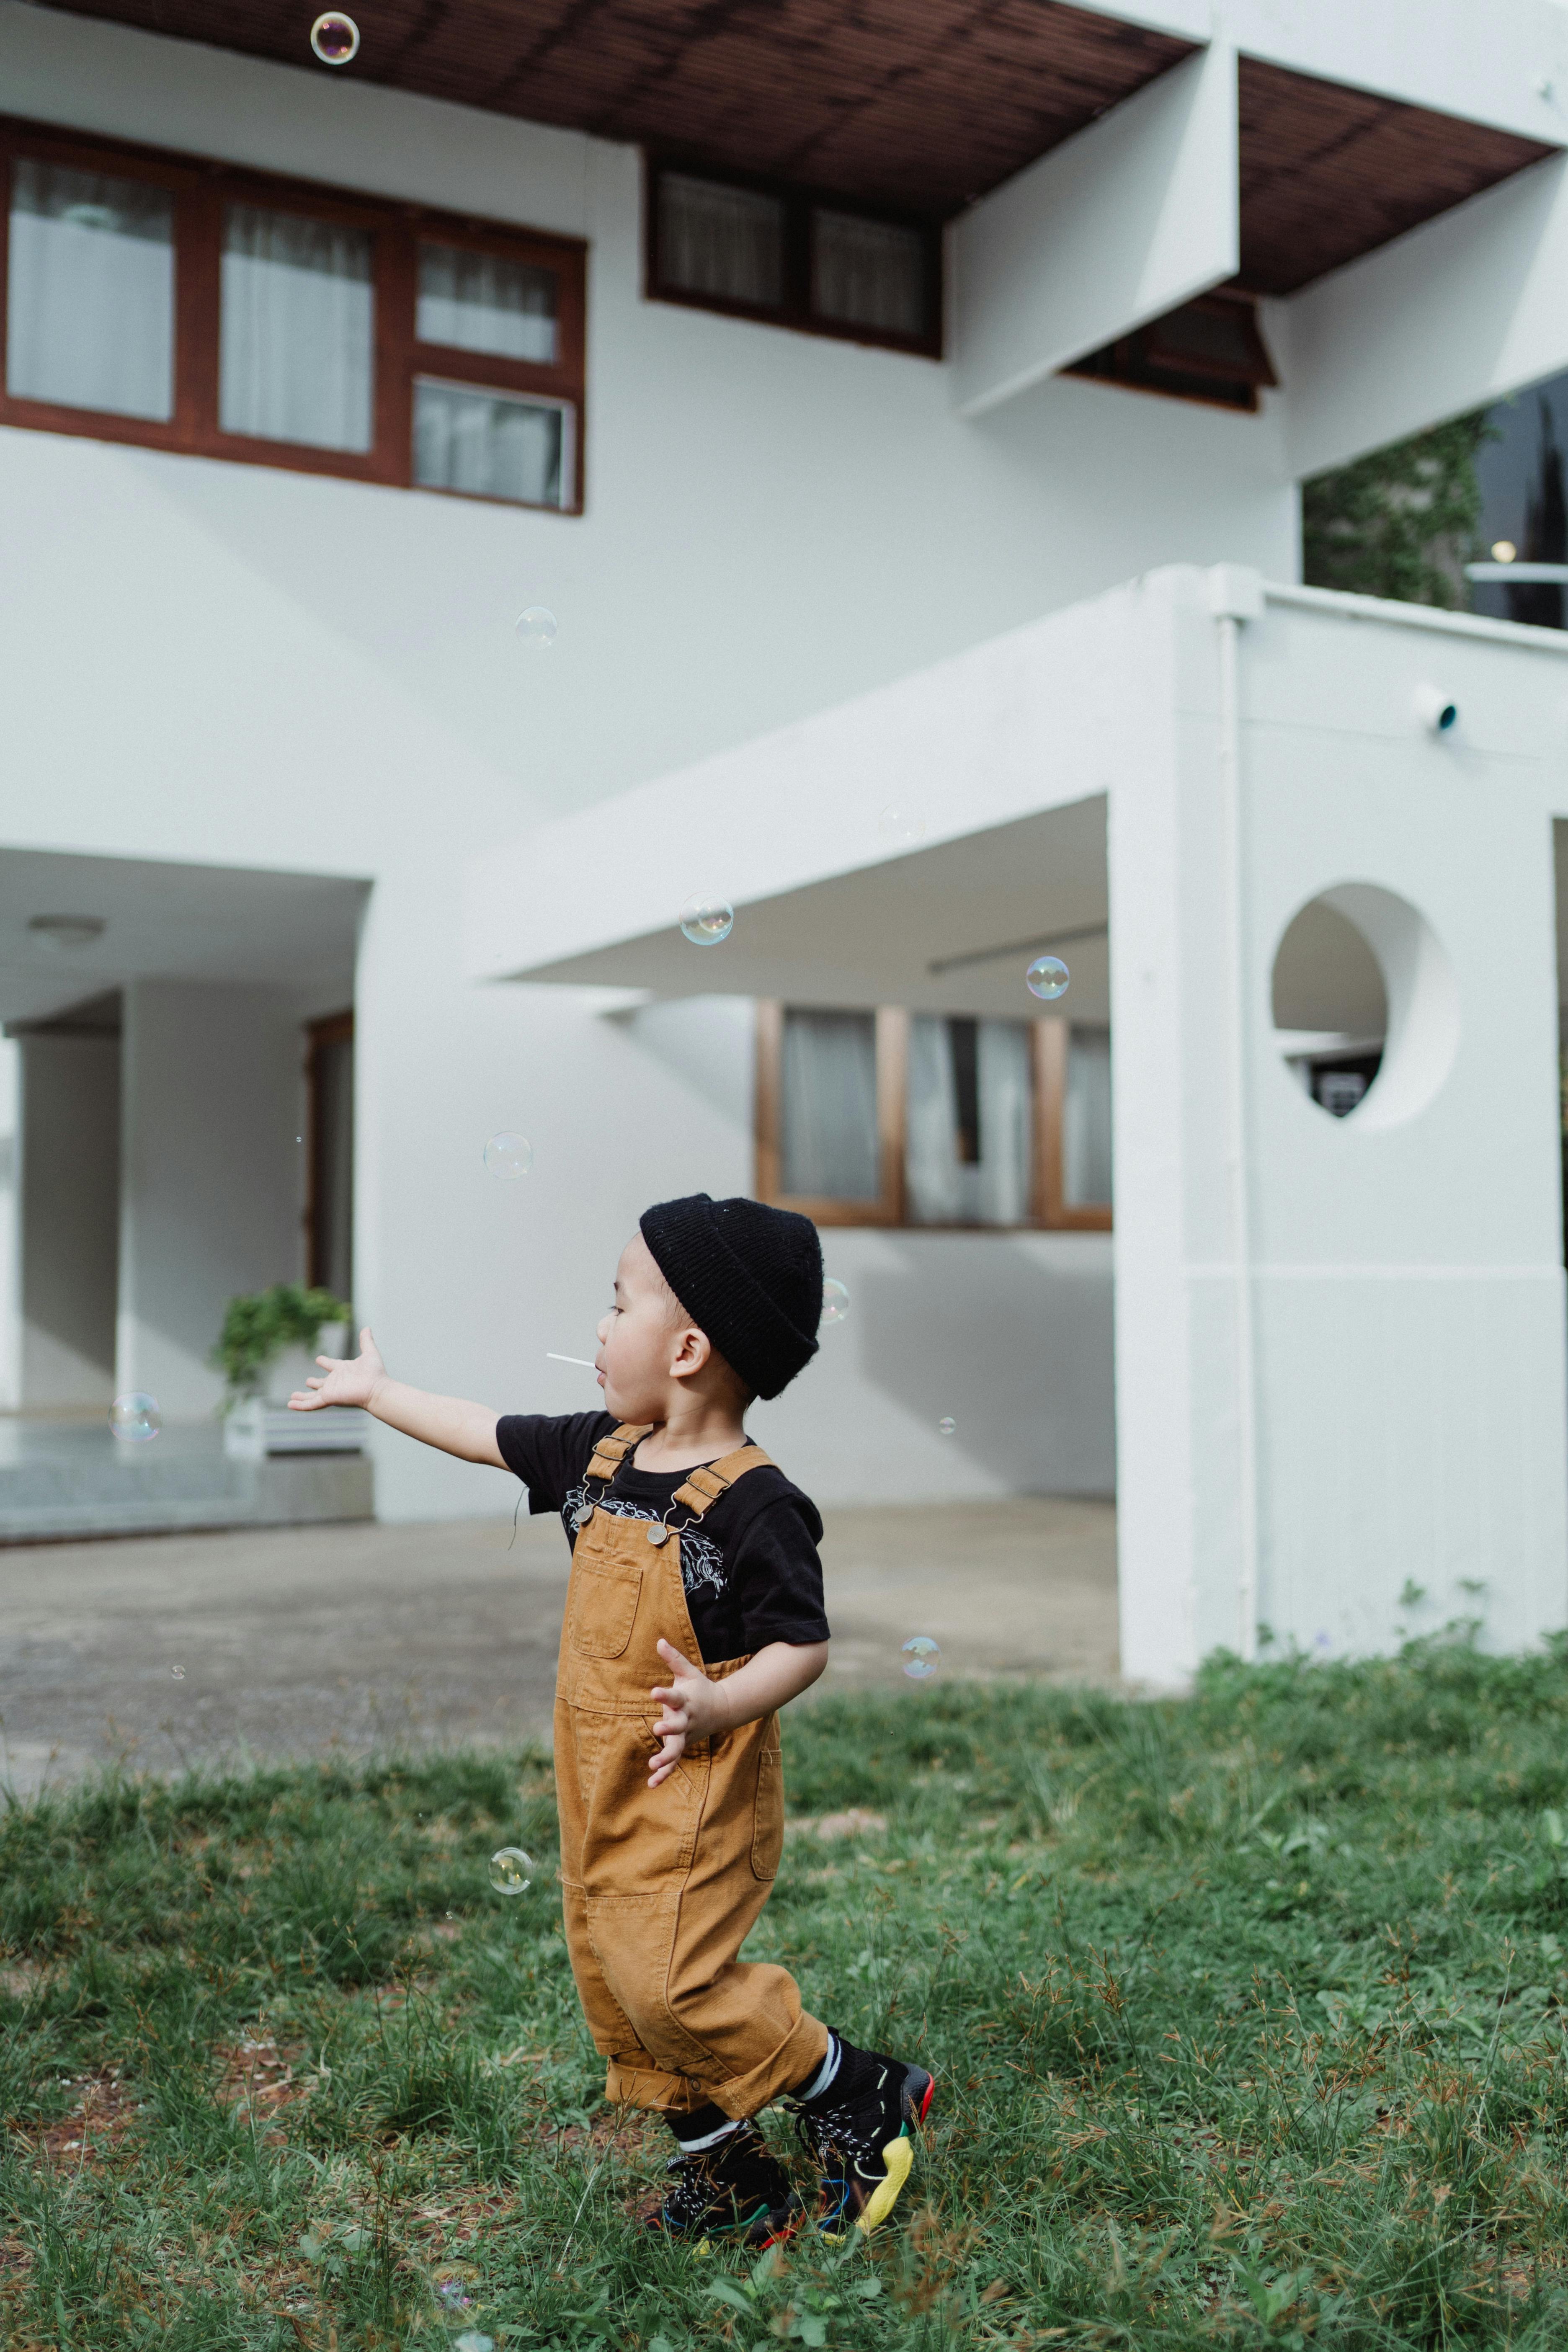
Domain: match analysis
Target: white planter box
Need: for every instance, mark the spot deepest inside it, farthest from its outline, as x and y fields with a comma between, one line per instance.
x=255, y=1429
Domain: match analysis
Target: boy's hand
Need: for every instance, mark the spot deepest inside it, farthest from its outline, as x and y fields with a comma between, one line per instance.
x=693, y=1708
x=349, y=1380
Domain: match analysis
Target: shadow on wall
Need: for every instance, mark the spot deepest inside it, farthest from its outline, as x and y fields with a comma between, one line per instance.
x=1008, y=1338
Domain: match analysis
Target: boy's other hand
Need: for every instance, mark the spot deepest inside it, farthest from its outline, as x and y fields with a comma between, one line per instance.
x=346, y=1380
x=692, y=1708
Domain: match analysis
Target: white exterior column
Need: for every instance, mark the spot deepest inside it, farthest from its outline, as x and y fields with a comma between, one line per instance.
x=1117, y=226
x=212, y=1175
x=1340, y=1347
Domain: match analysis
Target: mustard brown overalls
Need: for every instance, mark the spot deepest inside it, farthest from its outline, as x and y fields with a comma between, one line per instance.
x=661, y=1886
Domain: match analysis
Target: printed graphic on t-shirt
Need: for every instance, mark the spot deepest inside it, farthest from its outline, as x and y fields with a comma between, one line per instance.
x=701, y=1560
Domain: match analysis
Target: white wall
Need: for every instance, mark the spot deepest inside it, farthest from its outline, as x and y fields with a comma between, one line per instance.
x=213, y=1175
x=312, y=675
x=69, y=1195
x=1405, y=1289
x=10, y=1225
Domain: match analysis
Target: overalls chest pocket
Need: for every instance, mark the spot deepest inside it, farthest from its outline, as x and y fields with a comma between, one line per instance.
x=603, y=1608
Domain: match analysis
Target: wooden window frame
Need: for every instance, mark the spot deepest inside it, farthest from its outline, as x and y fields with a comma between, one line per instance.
x=1049, y=1210
x=795, y=310
x=200, y=190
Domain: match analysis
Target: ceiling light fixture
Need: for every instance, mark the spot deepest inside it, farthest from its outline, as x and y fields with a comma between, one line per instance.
x=67, y=933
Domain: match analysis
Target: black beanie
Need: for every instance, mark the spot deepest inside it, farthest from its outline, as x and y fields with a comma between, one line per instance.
x=750, y=1277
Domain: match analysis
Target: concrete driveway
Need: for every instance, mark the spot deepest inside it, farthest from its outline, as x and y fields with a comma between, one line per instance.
x=215, y=1649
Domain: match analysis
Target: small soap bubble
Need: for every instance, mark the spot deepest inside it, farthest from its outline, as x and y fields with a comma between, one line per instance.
x=947, y=1426
x=835, y=1301
x=334, y=37
x=922, y=1657
x=178, y=1673
x=537, y=627
x=135, y=1418
x=1047, y=977
x=901, y=824
x=470, y=2340
x=706, y=922
x=508, y=1154
x=512, y=1871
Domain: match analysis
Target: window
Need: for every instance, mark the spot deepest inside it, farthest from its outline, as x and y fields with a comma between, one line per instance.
x=193, y=307
x=772, y=253
x=888, y=1118
x=1209, y=350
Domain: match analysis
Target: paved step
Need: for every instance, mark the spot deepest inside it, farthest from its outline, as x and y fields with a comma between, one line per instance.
x=73, y=1478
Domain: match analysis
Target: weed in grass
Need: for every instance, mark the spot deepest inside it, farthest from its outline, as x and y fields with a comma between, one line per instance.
x=1246, y=2009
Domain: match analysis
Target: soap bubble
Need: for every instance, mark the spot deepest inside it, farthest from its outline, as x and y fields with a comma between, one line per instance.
x=135, y=1417
x=947, y=1426
x=334, y=37
x=901, y=824
x=512, y=1871
x=922, y=1657
x=470, y=2340
x=508, y=1154
x=835, y=1301
x=1047, y=977
x=537, y=627
x=706, y=922
x=178, y=1673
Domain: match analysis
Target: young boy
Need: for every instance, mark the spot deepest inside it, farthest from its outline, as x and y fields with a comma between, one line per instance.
x=694, y=1569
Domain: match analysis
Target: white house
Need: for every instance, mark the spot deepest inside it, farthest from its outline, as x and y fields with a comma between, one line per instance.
x=821, y=392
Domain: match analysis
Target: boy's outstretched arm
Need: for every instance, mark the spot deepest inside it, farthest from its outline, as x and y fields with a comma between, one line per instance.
x=468, y=1430
x=695, y=1707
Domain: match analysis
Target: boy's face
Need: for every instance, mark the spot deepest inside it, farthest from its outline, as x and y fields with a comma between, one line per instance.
x=648, y=1344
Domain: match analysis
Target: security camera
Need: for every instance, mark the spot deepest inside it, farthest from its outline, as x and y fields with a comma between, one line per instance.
x=1436, y=711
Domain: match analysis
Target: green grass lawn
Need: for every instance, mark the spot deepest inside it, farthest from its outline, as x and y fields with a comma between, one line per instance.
x=1245, y=2010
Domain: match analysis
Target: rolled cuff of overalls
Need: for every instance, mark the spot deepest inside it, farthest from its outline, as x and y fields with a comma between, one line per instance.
x=795, y=2060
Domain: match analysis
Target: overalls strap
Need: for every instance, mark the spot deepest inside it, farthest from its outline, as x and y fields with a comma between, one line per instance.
x=704, y=1487
x=612, y=1451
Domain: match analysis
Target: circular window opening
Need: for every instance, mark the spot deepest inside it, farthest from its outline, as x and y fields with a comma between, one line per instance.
x=1365, y=1007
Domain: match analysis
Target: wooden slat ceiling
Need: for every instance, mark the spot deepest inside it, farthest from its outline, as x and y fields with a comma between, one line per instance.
x=1328, y=173
x=917, y=105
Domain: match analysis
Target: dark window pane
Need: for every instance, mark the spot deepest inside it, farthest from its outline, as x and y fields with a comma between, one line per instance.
x=721, y=241
x=867, y=273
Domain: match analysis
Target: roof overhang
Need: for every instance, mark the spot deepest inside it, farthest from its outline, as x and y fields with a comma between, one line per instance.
x=998, y=754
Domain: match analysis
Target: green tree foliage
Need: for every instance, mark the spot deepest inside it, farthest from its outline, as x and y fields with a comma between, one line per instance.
x=1401, y=523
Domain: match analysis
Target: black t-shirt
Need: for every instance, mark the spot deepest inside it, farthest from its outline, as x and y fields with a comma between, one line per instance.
x=750, y=1564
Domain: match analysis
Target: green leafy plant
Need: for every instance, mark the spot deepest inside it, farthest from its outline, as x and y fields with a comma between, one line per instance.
x=1402, y=522
x=261, y=1325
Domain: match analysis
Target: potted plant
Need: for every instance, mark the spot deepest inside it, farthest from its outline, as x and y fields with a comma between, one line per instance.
x=271, y=1340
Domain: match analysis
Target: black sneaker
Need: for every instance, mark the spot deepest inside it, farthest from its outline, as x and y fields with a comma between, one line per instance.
x=738, y=2189
x=862, y=2141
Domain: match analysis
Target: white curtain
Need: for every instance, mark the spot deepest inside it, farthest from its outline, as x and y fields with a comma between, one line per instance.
x=1086, y=1121
x=1006, y=1098
x=718, y=240
x=297, y=330
x=491, y=445
x=933, y=1174
x=941, y=1187
x=867, y=273
x=90, y=299
x=482, y=302
x=828, y=1105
